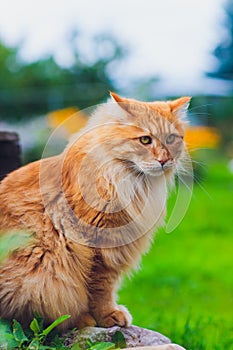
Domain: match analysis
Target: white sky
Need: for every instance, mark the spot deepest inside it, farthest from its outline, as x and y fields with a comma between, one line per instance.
x=171, y=38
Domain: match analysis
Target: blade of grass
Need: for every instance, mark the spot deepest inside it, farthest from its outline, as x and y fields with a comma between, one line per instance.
x=61, y=319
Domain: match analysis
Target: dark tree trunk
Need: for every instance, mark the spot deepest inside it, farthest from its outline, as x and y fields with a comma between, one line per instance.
x=9, y=153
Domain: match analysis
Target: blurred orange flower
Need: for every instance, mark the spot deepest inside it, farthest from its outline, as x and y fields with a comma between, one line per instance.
x=201, y=137
x=62, y=117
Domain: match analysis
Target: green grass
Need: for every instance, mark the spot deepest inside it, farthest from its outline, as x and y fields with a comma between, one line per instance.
x=184, y=288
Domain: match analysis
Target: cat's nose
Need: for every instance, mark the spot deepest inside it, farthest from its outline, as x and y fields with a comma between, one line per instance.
x=162, y=161
x=162, y=156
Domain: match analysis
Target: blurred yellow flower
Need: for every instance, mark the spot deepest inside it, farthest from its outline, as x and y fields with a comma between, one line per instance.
x=201, y=137
x=62, y=117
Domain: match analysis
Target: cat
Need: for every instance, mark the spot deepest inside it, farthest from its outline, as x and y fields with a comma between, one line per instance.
x=91, y=212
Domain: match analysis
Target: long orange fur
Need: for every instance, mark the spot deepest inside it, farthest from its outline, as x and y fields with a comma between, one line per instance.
x=83, y=233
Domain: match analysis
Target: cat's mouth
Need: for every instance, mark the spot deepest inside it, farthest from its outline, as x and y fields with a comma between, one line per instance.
x=147, y=168
x=156, y=168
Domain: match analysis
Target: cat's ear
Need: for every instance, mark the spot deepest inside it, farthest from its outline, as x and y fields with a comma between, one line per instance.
x=124, y=103
x=180, y=106
x=116, y=97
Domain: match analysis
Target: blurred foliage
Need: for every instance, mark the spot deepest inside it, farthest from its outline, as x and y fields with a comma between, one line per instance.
x=220, y=109
x=28, y=89
x=11, y=240
x=224, y=51
x=214, y=111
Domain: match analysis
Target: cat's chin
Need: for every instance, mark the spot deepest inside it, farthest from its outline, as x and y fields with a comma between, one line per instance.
x=159, y=172
x=155, y=173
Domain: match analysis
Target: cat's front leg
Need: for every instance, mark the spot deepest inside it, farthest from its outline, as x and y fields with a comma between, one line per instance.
x=85, y=320
x=102, y=297
x=117, y=315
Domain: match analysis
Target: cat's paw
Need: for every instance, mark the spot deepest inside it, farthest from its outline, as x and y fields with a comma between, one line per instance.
x=85, y=320
x=119, y=316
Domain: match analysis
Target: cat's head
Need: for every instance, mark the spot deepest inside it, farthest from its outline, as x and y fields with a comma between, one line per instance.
x=116, y=166
x=145, y=136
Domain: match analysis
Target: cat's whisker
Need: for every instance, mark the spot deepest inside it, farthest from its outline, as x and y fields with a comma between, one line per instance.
x=201, y=106
x=202, y=188
x=199, y=113
x=183, y=171
x=185, y=184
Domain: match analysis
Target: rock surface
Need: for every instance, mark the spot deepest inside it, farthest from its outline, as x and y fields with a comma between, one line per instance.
x=134, y=337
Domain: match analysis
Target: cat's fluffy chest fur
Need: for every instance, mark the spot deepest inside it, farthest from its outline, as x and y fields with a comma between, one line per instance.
x=92, y=211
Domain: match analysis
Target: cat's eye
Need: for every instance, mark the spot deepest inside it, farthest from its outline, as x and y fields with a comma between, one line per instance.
x=145, y=140
x=170, y=139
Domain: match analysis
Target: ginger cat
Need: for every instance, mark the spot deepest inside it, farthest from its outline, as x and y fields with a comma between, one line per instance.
x=91, y=212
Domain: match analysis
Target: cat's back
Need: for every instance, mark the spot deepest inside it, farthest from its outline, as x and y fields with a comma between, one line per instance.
x=20, y=195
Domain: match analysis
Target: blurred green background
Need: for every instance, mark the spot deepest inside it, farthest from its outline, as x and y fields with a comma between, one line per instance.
x=184, y=287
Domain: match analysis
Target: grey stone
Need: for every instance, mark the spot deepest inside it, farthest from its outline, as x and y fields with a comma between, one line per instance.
x=134, y=336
